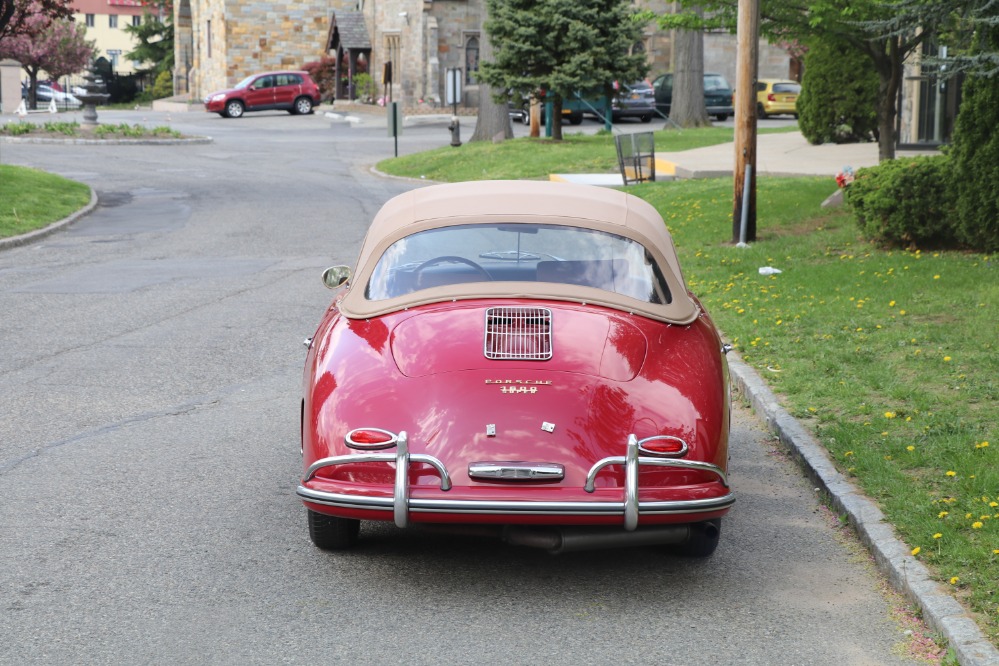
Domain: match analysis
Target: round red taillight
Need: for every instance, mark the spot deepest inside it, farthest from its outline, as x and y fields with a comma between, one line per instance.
x=663, y=445
x=367, y=439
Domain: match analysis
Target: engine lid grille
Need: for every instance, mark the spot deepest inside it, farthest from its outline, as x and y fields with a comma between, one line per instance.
x=518, y=333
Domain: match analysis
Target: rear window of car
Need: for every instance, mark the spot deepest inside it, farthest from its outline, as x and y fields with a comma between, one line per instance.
x=714, y=82
x=787, y=88
x=520, y=252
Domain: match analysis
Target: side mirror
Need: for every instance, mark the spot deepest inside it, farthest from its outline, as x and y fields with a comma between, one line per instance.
x=335, y=276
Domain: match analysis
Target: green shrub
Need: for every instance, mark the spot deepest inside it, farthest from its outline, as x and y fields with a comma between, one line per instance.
x=839, y=94
x=905, y=202
x=18, y=129
x=975, y=155
x=364, y=88
x=323, y=72
x=163, y=86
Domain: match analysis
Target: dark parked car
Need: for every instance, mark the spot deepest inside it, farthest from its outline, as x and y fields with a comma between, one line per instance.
x=294, y=92
x=717, y=95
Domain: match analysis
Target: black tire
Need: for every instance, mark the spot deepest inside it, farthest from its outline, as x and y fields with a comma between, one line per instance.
x=722, y=117
x=761, y=112
x=331, y=533
x=575, y=118
x=703, y=539
x=234, y=108
x=303, y=106
x=647, y=118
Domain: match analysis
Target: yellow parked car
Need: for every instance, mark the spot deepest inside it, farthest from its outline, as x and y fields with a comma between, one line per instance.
x=775, y=97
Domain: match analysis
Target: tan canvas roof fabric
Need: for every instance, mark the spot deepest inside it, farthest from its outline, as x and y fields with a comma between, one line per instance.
x=513, y=202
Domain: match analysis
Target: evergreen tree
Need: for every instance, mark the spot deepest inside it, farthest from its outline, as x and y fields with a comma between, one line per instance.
x=839, y=94
x=975, y=154
x=154, y=39
x=560, y=47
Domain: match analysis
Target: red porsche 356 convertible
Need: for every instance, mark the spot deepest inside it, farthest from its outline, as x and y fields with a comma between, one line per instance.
x=521, y=358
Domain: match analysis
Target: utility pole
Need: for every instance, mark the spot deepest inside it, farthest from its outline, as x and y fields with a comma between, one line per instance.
x=747, y=63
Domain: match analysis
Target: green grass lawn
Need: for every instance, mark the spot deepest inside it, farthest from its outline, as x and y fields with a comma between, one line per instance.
x=888, y=356
x=32, y=199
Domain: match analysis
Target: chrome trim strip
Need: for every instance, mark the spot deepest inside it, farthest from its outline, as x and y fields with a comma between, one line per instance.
x=401, y=504
x=520, y=508
x=516, y=471
x=630, y=485
x=653, y=462
x=401, y=501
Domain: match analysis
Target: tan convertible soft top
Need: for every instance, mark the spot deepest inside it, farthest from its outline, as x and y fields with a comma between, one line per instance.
x=524, y=202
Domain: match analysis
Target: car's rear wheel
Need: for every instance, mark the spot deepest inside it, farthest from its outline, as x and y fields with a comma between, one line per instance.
x=234, y=108
x=303, y=106
x=647, y=118
x=761, y=112
x=722, y=117
x=703, y=539
x=332, y=533
x=575, y=118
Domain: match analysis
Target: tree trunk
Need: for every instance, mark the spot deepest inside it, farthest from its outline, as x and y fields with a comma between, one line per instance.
x=687, y=108
x=891, y=78
x=493, y=119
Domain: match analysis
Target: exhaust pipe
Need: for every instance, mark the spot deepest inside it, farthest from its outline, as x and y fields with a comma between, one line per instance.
x=573, y=539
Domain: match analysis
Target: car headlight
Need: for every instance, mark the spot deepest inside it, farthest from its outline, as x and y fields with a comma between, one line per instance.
x=218, y=97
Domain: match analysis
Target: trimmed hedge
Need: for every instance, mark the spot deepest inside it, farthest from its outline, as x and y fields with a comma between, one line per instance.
x=839, y=94
x=905, y=202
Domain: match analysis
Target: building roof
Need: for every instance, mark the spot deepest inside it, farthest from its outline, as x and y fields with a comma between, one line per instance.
x=348, y=30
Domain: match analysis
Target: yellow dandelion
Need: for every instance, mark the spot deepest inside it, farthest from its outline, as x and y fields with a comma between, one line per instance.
x=947, y=359
x=847, y=454
x=953, y=580
x=936, y=277
x=951, y=472
x=977, y=525
x=889, y=415
x=891, y=304
x=943, y=514
x=910, y=448
x=937, y=535
x=915, y=551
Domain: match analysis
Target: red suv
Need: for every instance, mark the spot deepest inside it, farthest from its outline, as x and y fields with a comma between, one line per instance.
x=294, y=92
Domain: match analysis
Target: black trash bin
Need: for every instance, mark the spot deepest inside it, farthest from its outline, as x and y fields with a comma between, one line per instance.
x=636, y=157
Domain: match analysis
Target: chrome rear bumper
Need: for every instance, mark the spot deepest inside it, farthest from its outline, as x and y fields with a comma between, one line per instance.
x=401, y=504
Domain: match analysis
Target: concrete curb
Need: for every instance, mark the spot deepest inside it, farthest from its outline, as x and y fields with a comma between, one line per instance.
x=38, y=234
x=108, y=142
x=940, y=610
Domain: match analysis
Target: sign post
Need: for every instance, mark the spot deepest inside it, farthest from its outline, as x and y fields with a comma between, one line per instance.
x=452, y=95
x=395, y=123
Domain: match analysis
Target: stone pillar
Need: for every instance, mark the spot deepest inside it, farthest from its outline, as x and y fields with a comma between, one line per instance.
x=10, y=85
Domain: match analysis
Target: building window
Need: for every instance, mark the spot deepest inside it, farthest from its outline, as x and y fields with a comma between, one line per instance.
x=472, y=60
x=209, y=33
x=392, y=50
x=90, y=20
x=113, y=21
x=136, y=20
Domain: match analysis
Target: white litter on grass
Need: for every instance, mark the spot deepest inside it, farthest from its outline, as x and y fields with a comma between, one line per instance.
x=769, y=270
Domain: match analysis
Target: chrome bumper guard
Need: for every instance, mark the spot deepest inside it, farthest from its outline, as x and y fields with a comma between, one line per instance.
x=401, y=504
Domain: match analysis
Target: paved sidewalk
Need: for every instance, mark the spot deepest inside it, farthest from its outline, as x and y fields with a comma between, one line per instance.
x=782, y=154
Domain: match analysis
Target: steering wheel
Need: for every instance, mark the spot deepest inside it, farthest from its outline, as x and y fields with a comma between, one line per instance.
x=449, y=259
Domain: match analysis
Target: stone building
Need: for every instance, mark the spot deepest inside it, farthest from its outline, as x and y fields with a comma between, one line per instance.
x=218, y=42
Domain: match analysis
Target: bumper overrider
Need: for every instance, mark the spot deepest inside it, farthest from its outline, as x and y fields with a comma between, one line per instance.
x=629, y=508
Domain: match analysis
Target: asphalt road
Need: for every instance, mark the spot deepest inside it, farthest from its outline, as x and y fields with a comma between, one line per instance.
x=150, y=375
